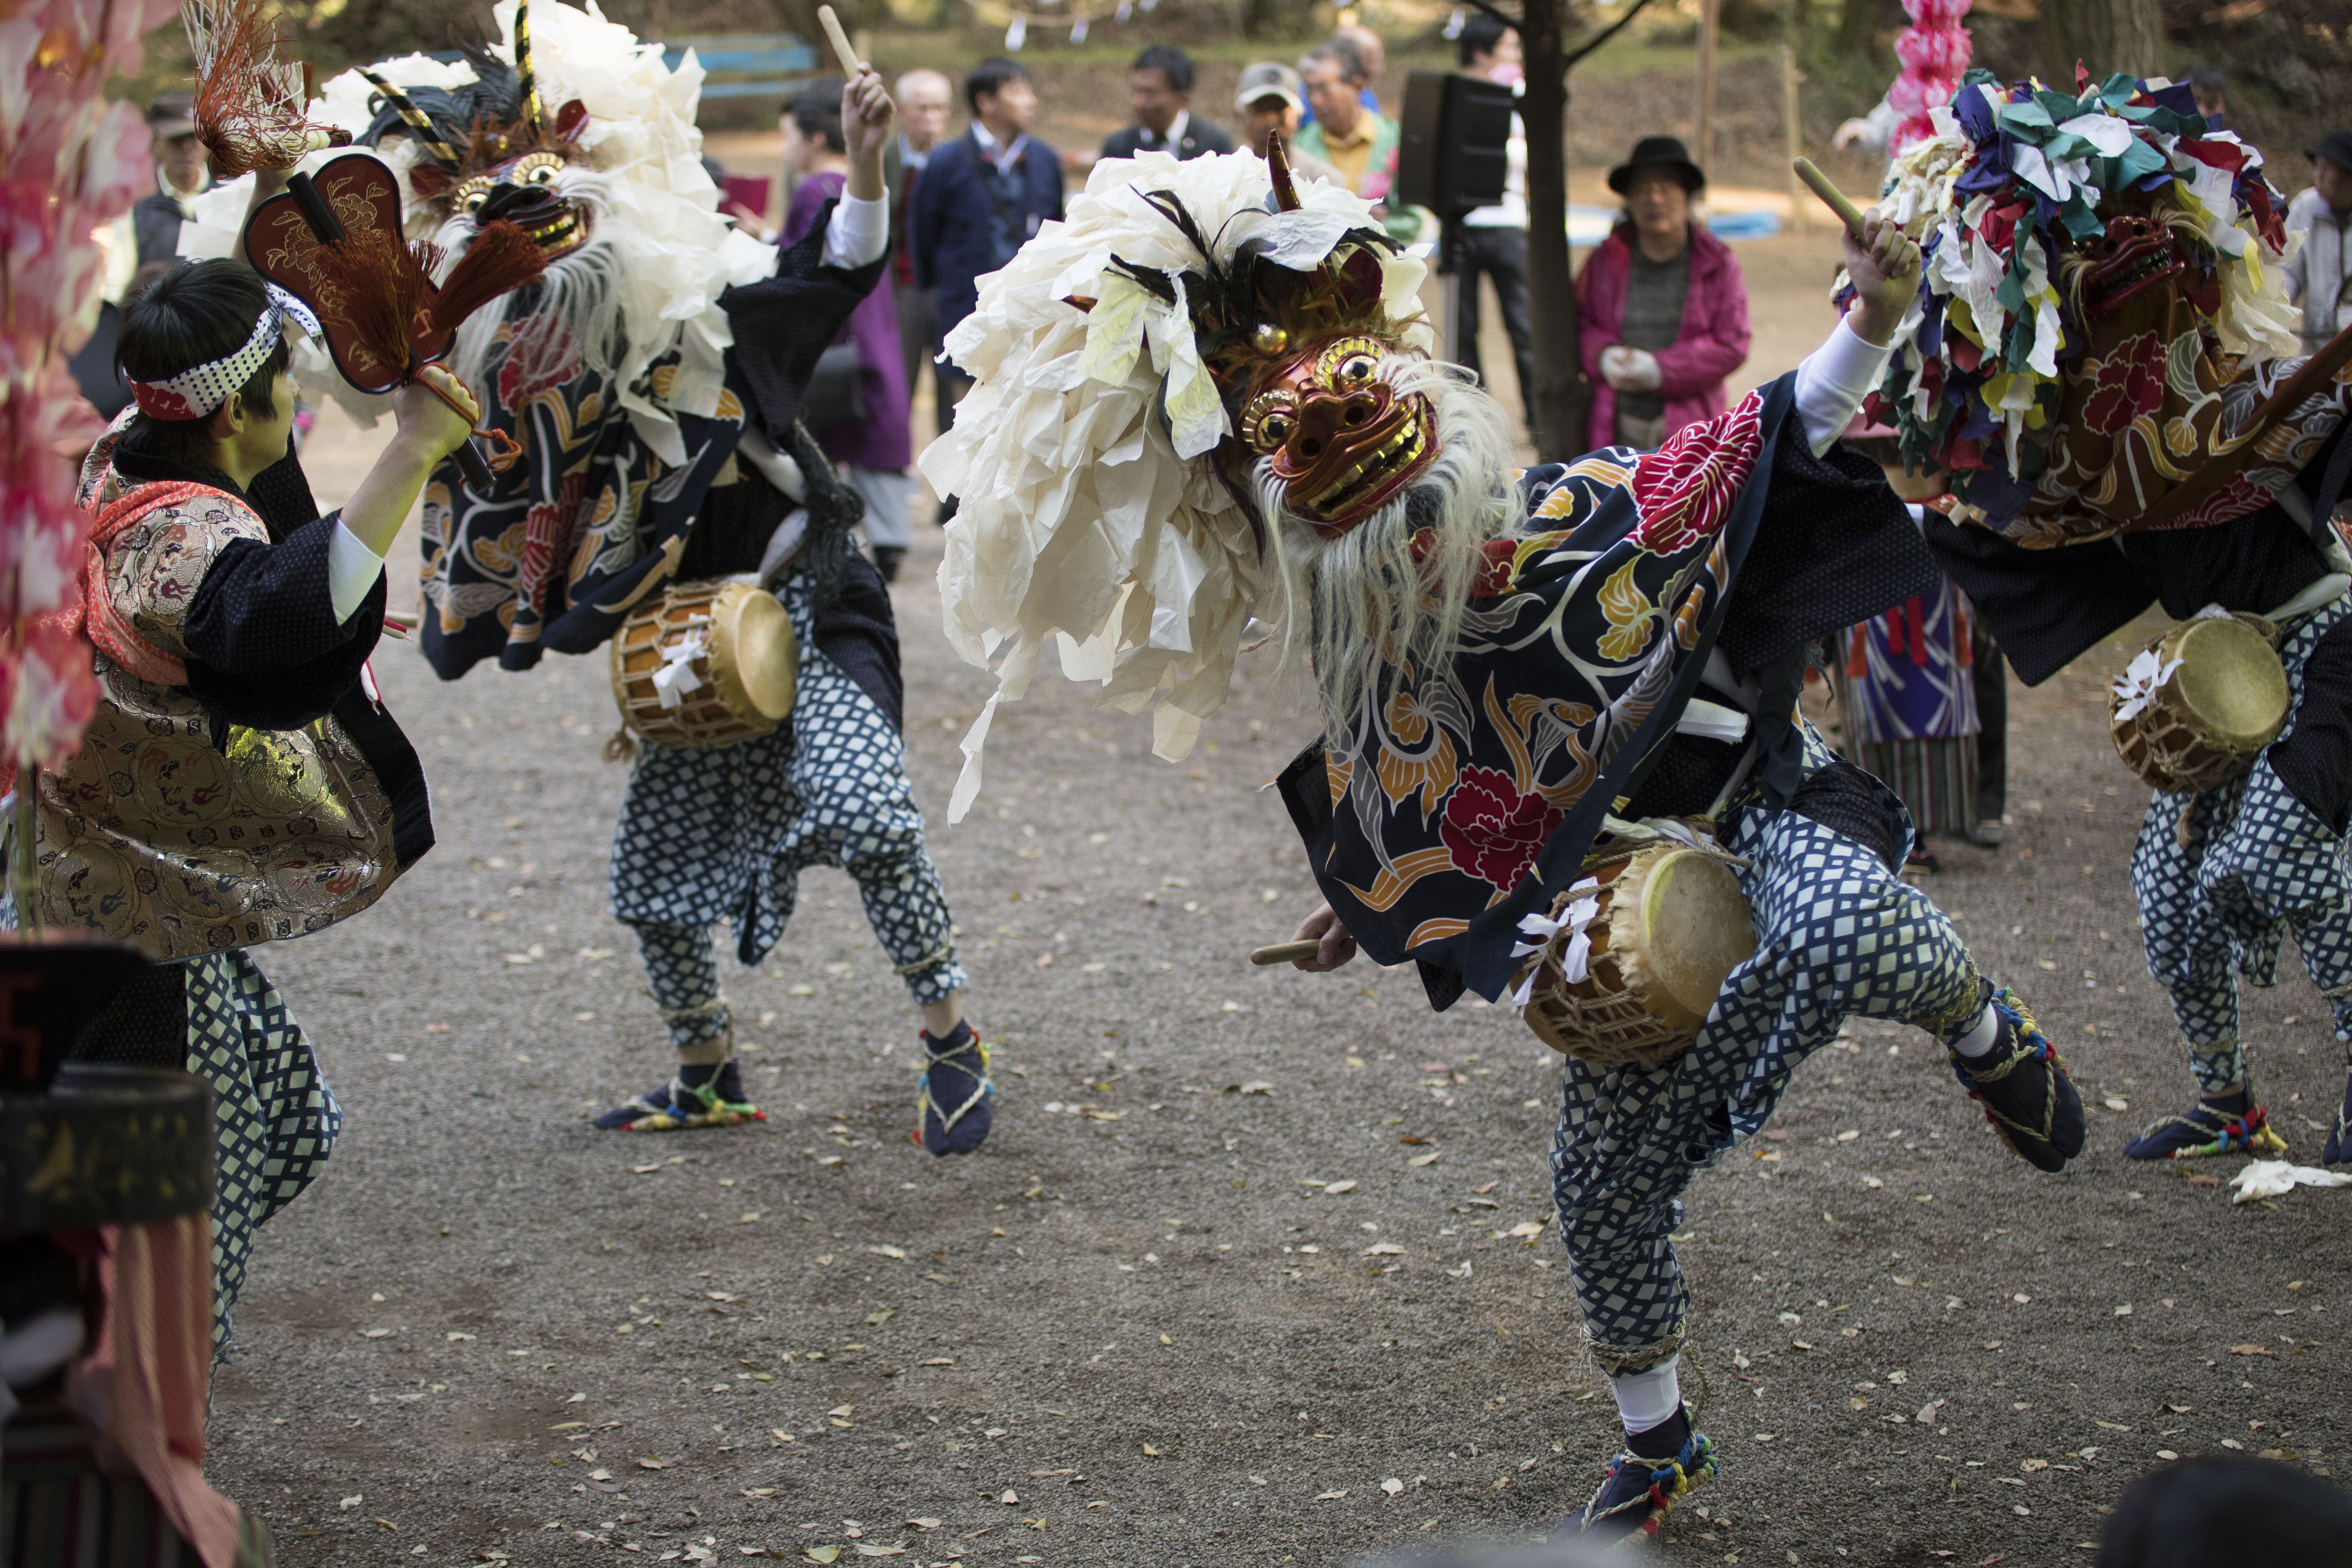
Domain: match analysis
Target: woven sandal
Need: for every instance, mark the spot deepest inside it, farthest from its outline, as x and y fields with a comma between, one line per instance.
x=2338, y=1148
x=1639, y=1492
x=679, y=1106
x=2203, y=1130
x=953, y=1105
x=2023, y=1084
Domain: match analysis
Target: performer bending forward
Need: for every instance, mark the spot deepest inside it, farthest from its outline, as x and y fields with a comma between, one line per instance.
x=1507, y=668
x=241, y=781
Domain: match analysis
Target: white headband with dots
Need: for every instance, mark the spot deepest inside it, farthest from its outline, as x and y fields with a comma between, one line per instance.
x=199, y=391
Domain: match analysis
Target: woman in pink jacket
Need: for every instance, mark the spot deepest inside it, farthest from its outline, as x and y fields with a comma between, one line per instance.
x=1663, y=307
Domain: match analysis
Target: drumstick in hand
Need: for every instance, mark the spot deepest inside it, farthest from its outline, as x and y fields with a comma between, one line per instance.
x=1848, y=214
x=850, y=64
x=1285, y=952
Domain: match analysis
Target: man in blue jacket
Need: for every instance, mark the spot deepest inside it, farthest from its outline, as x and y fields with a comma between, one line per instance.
x=980, y=197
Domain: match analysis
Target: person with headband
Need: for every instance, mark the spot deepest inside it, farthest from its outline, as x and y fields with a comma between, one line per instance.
x=241, y=781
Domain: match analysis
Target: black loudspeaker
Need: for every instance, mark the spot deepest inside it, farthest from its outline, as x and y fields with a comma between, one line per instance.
x=1452, y=155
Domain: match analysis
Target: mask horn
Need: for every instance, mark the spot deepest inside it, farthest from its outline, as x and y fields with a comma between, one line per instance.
x=1286, y=194
x=400, y=104
x=526, y=79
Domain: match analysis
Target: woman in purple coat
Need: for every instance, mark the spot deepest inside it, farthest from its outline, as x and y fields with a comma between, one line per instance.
x=869, y=439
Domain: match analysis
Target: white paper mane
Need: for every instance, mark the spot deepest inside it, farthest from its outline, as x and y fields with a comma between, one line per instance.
x=1090, y=514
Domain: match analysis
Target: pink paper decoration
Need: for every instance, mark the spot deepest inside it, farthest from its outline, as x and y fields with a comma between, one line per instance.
x=1934, y=50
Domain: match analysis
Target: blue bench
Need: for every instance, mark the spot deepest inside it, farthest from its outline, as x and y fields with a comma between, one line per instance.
x=781, y=63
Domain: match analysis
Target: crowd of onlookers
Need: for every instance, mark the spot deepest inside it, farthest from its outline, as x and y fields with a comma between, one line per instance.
x=1662, y=304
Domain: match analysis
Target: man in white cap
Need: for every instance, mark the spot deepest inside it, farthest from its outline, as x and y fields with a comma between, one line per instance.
x=1269, y=103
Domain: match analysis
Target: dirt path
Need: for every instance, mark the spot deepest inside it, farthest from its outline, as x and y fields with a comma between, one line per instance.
x=1255, y=1268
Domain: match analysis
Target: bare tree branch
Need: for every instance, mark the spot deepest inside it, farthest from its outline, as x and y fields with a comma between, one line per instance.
x=1505, y=17
x=1600, y=38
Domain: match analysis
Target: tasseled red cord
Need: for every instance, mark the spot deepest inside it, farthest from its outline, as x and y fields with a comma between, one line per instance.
x=249, y=103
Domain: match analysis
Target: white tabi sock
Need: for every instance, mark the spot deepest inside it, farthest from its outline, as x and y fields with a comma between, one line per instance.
x=1647, y=1399
x=1978, y=1040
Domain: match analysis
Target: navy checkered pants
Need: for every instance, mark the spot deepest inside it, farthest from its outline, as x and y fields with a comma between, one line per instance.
x=2255, y=864
x=724, y=834
x=1837, y=933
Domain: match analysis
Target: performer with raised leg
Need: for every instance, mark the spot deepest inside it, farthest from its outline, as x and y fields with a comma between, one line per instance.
x=1531, y=685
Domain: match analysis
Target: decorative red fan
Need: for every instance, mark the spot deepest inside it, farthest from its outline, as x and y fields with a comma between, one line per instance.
x=251, y=106
x=335, y=243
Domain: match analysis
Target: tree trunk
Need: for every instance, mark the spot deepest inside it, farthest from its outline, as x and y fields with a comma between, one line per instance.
x=1856, y=23
x=2106, y=36
x=1559, y=400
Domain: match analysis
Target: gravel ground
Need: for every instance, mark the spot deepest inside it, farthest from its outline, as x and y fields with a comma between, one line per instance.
x=1256, y=1266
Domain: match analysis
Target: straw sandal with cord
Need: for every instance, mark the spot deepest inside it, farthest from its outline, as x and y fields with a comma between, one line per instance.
x=1641, y=1490
x=700, y=1095
x=2338, y=1150
x=2209, y=1128
x=954, y=1107
x=2023, y=1084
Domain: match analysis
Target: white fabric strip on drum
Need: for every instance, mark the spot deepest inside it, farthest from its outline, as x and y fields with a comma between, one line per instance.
x=678, y=676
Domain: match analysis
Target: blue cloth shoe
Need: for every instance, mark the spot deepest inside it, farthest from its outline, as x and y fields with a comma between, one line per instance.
x=1641, y=1491
x=2204, y=1130
x=706, y=1095
x=955, y=1102
x=2021, y=1083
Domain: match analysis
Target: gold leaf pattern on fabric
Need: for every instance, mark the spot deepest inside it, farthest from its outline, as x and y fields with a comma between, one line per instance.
x=1426, y=760
x=1336, y=771
x=1628, y=611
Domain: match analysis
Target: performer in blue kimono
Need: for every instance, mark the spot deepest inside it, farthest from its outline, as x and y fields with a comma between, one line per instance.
x=1508, y=666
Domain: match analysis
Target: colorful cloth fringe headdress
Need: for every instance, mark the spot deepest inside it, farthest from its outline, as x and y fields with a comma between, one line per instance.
x=1134, y=361
x=2099, y=314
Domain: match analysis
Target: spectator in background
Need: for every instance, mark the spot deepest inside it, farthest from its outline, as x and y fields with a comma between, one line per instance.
x=2319, y=274
x=1358, y=142
x=1268, y=102
x=1663, y=311
x=1372, y=54
x=922, y=120
x=2211, y=89
x=182, y=172
x=1494, y=239
x=980, y=197
x=1159, y=96
x=872, y=445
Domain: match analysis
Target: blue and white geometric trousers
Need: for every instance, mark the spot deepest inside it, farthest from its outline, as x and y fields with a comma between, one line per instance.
x=1837, y=933
x=2257, y=864
x=724, y=834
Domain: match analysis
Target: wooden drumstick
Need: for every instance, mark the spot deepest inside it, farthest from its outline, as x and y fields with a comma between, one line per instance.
x=850, y=64
x=1848, y=214
x=1285, y=952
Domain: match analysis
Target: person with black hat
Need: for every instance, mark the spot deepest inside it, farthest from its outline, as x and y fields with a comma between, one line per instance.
x=2319, y=273
x=1663, y=307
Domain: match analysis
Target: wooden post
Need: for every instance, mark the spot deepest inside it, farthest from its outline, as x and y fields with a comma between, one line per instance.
x=1793, y=124
x=1710, y=14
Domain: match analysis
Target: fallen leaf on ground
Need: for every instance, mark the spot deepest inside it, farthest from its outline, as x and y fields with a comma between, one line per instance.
x=924, y=1523
x=1382, y=1249
x=2252, y=1349
x=1010, y=1496
x=1392, y=1486
x=655, y=1462
x=1330, y=1497
x=1333, y=1189
x=867, y=1549
x=822, y=1553
x=887, y=1251
x=352, y=1501
x=1257, y=1088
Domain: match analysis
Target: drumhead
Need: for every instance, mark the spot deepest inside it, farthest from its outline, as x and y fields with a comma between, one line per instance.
x=767, y=653
x=2230, y=683
x=1695, y=931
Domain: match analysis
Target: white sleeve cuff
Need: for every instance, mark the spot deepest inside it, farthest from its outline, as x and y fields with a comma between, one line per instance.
x=1833, y=380
x=352, y=570
x=859, y=232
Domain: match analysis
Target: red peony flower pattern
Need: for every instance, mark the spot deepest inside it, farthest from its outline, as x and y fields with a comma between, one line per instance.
x=2127, y=383
x=1491, y=830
